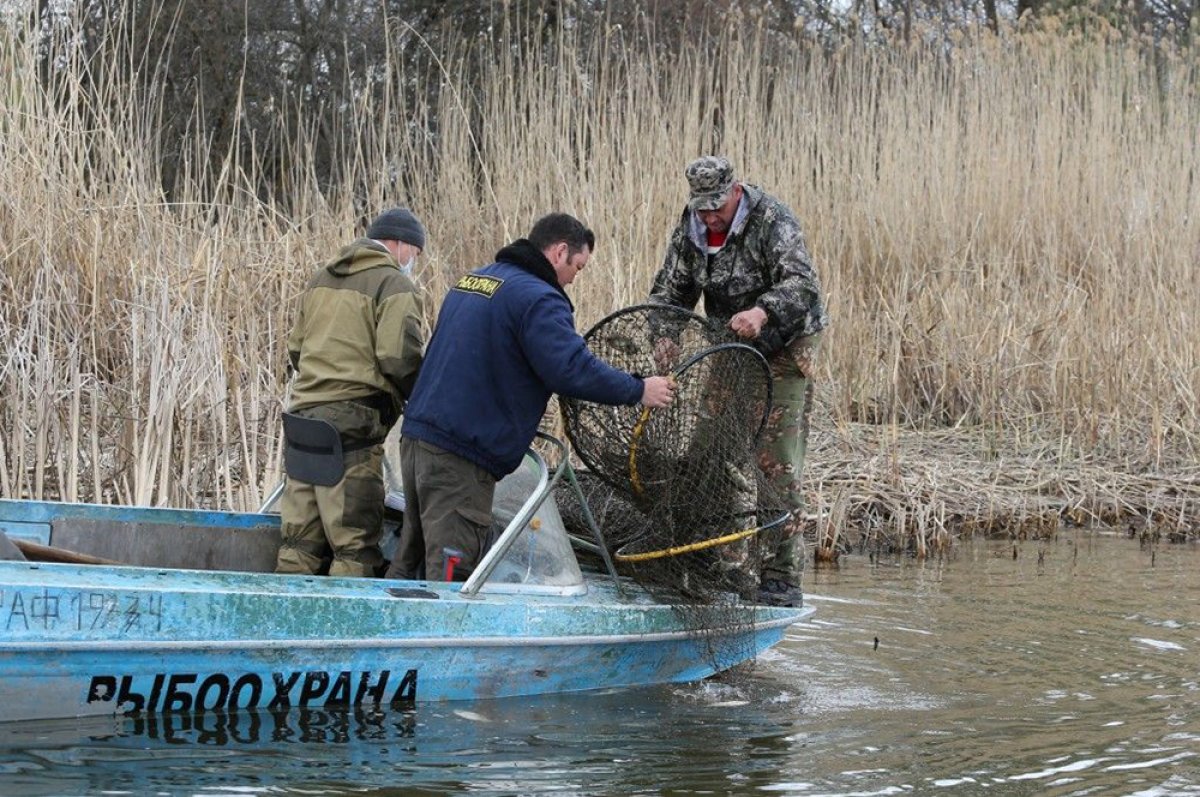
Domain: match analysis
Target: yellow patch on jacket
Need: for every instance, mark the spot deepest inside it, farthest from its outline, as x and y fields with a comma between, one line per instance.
x=479, y=284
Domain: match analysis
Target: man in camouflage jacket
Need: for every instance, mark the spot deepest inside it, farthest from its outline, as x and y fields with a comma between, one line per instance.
x=743, y=251
x=357, y=347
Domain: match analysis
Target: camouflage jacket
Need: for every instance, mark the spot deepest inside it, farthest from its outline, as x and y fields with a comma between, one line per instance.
x=764, y=263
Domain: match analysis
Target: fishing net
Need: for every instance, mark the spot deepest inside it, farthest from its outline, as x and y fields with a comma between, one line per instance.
x=677, y=491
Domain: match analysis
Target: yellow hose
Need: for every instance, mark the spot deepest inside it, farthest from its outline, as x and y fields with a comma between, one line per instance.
x=691, y=546
x=633, y=445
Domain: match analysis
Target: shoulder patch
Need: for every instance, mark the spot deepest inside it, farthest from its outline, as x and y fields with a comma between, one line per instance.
x=480, y=284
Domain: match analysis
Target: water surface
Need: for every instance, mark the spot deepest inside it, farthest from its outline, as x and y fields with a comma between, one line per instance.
x=1071, y=669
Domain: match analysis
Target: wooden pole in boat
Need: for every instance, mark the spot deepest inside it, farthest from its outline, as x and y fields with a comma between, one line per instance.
x=35, y=552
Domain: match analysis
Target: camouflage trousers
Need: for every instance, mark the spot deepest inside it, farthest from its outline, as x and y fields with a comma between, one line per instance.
x=781, y=453
x=338, y=527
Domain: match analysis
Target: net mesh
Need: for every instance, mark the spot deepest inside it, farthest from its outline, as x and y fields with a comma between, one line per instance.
x=677, y=491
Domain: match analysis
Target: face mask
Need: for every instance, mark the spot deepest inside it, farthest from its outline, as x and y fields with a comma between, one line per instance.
x=406, y=268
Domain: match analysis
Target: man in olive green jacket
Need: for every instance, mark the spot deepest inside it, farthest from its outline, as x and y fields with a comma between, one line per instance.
x=356, y=347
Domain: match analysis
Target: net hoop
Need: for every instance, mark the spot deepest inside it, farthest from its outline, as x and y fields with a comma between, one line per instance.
x=666, y=309
x=681, y=316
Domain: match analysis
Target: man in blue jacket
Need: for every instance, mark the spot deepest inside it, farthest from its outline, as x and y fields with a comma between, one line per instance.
x=505, y=341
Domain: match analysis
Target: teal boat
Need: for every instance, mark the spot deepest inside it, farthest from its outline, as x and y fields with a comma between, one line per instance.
x=192, y=619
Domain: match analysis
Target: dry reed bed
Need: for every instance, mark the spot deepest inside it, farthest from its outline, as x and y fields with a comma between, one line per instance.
x=1007, y=233
x=884, y=488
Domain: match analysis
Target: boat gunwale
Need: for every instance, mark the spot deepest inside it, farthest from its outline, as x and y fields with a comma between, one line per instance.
x=801, y=614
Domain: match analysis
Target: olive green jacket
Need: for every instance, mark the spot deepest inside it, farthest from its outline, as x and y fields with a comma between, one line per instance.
x=359, y=330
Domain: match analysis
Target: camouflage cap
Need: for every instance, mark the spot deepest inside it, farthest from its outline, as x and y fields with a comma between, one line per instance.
x=711, y=180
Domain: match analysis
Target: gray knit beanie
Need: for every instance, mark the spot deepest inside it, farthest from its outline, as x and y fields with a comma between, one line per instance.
x=398, y=224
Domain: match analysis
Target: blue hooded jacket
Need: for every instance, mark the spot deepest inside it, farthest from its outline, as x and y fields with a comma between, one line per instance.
x=505, y=341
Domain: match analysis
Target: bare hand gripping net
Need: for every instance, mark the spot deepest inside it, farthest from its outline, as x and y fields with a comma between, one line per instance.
x=678, y=491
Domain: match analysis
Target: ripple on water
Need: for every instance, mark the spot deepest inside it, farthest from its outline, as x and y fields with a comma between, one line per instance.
x=1158, y=644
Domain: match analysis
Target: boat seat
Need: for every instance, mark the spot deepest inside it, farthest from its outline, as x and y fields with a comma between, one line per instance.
x=172, y=545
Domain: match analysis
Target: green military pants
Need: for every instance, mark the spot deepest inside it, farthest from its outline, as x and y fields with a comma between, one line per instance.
x=338, y=527
x=447, y=514
x=781, y=453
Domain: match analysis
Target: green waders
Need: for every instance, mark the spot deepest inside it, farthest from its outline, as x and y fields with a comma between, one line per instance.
x=338, y=526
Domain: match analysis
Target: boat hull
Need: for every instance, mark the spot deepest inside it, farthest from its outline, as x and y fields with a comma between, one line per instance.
x=83, y=641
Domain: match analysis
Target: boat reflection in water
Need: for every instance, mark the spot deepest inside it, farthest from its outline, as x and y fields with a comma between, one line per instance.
x=267, y=726
x=522, y=745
